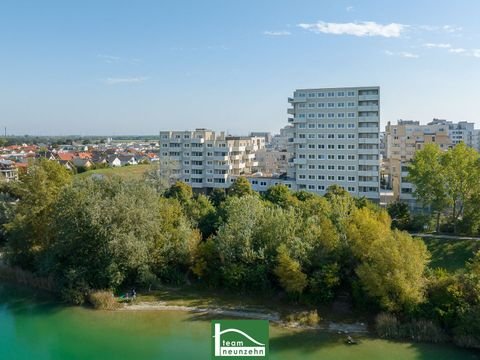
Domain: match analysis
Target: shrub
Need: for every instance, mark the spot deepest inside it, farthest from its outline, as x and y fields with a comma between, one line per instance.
x=387, y=326
x=304, y=318
x=102, y=300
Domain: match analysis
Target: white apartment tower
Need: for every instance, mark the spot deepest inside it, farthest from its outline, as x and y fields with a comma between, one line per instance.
x=335, y=140
x=205, y=159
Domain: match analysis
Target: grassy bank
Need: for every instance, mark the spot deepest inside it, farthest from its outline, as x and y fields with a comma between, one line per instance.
x=133, y=172
x=451, y=254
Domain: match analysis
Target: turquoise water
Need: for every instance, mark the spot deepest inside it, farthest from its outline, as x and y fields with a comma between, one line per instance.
x=34, y=328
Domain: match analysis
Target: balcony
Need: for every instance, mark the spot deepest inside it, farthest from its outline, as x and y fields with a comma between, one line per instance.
x=369, y=151
x=368, y=118
x=291, y=111
x=369, y=141
x=368, y=162
x=197, y=140
x=299, y=161
x=368, y=173
x=297, y=100
x=368, y=108
x=290, y=120
x=369, y=129
x=220, y=158
x=370, y=195
x=368, y=97
x=298, y=140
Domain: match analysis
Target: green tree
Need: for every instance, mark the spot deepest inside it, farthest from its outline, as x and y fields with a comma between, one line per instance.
x=217, y=197
x=400, y=215
x=390, y=264
x=29, y=233
x=110, y=232
x=427, y=173
x=280, y=195
x=180, y=191
x=289, y=272
x=241, y=187
x=461, y=168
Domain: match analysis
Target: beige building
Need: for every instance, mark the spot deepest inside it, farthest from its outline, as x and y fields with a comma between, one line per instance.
x=205, y=159
x=401, y=142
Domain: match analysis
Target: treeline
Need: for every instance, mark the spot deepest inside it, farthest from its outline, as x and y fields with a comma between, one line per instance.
x=107, y=234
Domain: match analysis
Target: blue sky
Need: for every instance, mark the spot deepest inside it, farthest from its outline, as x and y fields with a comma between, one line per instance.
x=137, y=67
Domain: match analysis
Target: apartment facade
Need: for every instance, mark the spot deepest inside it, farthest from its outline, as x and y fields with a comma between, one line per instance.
x=401, y=142
x=205, y=159
x=461, y=131
x=334, y=139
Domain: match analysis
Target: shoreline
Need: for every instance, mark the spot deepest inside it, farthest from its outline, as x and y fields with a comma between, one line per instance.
x=273, y=317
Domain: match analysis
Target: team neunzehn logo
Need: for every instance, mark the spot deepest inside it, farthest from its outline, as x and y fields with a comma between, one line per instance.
x=240, y=339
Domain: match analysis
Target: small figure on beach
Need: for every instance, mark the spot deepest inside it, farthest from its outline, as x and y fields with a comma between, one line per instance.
x=350, y=340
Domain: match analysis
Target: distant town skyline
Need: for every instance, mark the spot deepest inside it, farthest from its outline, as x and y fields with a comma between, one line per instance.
x=117, y=67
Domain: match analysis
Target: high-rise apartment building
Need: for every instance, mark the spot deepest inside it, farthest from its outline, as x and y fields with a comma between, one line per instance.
x=335, y=139
x=205, y=159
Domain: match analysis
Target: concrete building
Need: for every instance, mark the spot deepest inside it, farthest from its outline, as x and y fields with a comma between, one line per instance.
x=401, y=142
x=461, y=131
x=334, y=139
x=272, y=162
x=205, y=159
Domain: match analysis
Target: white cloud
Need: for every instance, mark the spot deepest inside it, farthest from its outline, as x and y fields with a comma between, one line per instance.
x=404, y=54
x=457, y=50
x=476, y=53
x=366, y=28
x=277, y=33
x=125, y=80
x=409, y=55
x=349, y=8
x=451, y=28
x=440, y=45
x=109, y=58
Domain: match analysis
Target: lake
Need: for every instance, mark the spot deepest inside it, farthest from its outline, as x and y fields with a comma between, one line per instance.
x=32, y=327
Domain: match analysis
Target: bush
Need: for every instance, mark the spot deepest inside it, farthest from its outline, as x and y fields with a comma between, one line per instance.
x=387, y=326
x=304, y=318
x=102, y=300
